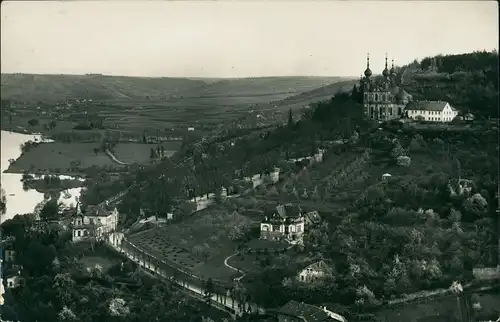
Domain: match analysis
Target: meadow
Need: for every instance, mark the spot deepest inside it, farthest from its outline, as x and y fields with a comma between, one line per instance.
x=74, y=157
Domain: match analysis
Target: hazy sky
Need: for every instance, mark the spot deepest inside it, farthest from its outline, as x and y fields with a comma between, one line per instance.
x=236, y=39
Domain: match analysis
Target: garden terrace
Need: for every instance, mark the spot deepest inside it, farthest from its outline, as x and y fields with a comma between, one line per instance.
x=200, y=243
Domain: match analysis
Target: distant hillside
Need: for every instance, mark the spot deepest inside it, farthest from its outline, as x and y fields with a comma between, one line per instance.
x=266, y=85
x=51, y=88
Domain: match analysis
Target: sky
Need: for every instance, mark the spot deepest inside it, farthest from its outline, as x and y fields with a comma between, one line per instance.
x=236, y=38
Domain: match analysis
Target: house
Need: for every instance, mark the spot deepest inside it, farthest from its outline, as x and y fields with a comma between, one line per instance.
x=386, y=176
x=223, y=193
x=71, y=101
x=460, y=187
x=312, y=218
x=315, y=272
x=302, y=312
x=433, y=111
x=285, y=222
x=97, y=221
x=14, y=281
x=10, y=255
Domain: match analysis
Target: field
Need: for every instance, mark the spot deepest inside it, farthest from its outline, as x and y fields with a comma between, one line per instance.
x=60, y=157
x=198, y=244
x=134, y=105
x=139, y=152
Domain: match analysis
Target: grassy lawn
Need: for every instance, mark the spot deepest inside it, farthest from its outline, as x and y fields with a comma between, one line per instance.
x=199, y=244
x=139, y=152
x=58, y=156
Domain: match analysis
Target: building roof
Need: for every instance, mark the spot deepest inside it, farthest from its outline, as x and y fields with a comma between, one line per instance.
x=320, y=266
x=426, y=105
x=314, y=216
x=101, y=210
x=307, y=312
x=402, y=95
x=288, y=210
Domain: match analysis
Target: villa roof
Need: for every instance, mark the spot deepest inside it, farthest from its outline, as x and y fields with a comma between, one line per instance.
x=307, y=312
x=426, y=105
x=314, y=216
x=101, y=210
x=288, y=210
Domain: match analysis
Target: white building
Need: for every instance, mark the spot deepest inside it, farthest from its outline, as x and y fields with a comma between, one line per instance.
x=314, y=272
x=97, y=221
x=14, y=281
x=432, y=111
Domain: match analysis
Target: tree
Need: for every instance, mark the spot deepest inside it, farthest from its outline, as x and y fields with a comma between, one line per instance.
x=3, y=202
x=50, y=211
x=209, y=290
x=290, y=118
x=33, y=122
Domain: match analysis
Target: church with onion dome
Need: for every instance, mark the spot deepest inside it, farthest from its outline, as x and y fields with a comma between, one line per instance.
x=383, y=98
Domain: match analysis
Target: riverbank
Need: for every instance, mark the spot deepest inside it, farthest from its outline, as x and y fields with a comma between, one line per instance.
x=51, y=184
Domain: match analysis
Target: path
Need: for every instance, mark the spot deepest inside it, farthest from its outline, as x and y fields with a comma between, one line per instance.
x=113, y=157
x=237, y=279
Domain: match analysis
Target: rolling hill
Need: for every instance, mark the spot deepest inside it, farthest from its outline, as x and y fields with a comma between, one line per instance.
x=51, y=88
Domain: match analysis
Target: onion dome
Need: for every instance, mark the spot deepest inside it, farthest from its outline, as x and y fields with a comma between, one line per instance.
x=393, y=70
x=386, y=72
x=368, y=71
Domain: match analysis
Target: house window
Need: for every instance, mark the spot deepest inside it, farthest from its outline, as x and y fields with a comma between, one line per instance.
x=78, y=233
x=376, y=97
x=301, y=277
x=366, y=96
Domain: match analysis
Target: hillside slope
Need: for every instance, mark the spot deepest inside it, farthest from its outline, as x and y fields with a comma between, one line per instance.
x=51, y=88
x=266, y=85
x=468, y=81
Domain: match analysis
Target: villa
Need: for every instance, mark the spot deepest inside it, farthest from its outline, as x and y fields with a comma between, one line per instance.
x=285, y=222
x=96, y=221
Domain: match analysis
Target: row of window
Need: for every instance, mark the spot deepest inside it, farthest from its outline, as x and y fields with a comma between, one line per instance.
x=275, y=228
x=383, y=97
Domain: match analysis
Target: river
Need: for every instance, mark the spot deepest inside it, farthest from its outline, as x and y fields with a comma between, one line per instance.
x=18, y=200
